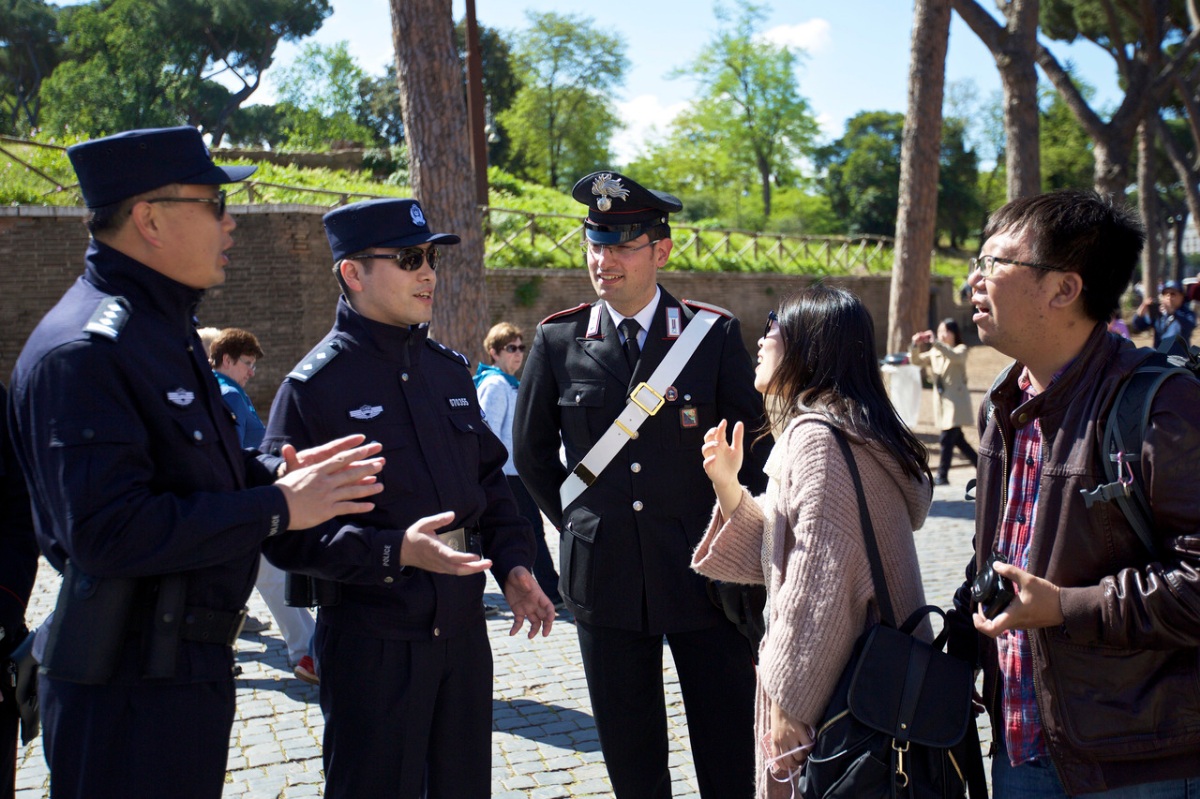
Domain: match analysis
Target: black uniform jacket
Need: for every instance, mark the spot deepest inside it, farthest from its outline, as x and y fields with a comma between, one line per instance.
x=406, y=391
x=628, y=540
x=18, y=546
x=131, y=457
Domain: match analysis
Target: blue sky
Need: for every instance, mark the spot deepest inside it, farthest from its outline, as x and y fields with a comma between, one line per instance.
x=857, y=52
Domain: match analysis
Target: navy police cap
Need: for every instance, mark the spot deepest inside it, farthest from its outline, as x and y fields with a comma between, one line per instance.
x=116, y=167
x=379, y=223
x=619, y=209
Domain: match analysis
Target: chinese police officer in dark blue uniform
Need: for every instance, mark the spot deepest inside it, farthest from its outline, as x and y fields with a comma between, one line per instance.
x=401, y=644
x=636, y=501
x=141, y=494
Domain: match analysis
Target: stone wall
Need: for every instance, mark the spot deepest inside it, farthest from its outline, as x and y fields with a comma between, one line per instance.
x=280, y=288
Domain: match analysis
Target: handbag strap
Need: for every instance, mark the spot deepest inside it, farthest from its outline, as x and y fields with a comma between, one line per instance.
x=882, y=598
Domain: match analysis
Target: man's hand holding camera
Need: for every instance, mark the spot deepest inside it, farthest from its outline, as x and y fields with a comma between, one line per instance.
x=1034, y=602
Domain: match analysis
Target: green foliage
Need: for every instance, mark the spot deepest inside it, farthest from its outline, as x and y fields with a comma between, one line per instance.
x=319, y=95
x=500, y=86
x=137, y=63
x=749, y=103
x=30, y=48
x=1067, y=161
x=959, y=207
x=862, y=177
x=379, y=106
x=561, y=119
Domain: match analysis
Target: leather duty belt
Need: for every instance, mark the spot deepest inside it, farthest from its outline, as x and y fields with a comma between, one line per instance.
x=644, y=401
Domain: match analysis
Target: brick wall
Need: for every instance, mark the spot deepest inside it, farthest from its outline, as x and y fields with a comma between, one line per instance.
x=280, y=288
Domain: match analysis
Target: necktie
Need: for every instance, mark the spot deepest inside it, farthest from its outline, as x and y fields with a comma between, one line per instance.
x=629, y=329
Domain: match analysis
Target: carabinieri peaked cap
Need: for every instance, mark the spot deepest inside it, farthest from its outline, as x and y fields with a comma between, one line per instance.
x=379, y=223
x=113, y=168
x=619, y=209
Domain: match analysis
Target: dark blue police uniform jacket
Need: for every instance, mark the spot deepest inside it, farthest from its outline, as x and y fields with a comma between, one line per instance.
x=404, y=390
x=628, y=540
x=131, y=457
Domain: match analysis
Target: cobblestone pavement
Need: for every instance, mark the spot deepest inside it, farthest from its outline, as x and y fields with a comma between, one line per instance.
x=544, y=741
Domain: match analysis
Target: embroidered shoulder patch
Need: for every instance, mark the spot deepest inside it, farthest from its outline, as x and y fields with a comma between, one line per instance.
x=314, y=362
x=704, y=306
x=109, y=317
x=453, y=355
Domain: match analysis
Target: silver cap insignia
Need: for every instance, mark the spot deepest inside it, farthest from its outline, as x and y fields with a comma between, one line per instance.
x=605, y=186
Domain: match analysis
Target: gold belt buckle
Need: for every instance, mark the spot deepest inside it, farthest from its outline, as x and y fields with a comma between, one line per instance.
x=455, y=539
x=636, y=401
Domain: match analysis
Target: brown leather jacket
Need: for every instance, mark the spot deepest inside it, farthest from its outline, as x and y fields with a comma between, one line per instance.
x=1118, y=683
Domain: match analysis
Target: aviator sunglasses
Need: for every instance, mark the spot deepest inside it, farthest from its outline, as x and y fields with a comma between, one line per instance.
x=409, y=259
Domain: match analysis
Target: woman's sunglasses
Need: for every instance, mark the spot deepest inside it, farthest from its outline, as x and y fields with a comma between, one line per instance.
x=511, y=348
x=772, y=319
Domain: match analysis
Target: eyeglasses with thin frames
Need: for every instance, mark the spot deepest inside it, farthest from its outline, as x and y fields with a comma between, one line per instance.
x=772, y=320
x=986, y=264
x=620, y=251
x=511, y=348
x=250, y=364
x=218, y=201
x=409, y=259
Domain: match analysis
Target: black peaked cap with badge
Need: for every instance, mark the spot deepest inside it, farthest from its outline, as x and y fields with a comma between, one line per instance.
x=387, y=222
x=114, y=168
x=619, y=208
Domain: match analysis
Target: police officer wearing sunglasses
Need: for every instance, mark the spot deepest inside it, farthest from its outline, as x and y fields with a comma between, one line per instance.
x=401, y=644
x=141, y=492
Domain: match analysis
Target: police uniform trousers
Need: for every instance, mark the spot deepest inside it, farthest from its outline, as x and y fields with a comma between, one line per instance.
x=717, y=680
x=144, y=740
x=8, y=749
x=406, y=719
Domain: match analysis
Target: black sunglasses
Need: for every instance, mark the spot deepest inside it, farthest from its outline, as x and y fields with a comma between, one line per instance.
x=409, y=259
x=772, y=319
x=218, y=201
x=511, y=348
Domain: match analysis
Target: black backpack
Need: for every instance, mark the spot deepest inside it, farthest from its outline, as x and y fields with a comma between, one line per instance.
x=1125, y=430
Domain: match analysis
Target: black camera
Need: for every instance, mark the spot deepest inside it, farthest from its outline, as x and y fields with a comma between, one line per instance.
x=991, y=591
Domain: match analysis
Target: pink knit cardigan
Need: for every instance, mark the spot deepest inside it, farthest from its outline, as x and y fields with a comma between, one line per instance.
x=804, y=540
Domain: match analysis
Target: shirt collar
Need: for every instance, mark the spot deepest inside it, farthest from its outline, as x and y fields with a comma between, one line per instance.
x=643, y=317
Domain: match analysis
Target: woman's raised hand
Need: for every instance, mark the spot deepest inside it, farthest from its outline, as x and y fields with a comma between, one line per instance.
x=722, y=457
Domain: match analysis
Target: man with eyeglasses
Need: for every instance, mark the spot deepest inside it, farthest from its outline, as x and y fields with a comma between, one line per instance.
x=1091, y=670
x=627, y=539
x=142, y=494
x=402, y=646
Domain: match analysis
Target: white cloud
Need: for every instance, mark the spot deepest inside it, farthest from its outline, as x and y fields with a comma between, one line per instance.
x=645, y=117
x=812, y=36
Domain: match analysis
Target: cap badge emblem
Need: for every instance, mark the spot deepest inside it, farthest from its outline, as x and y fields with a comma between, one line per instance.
x=418, y=218
x=366, y=412
x=605, y=186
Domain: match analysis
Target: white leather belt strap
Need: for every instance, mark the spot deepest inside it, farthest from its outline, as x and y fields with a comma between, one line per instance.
x=644, y=402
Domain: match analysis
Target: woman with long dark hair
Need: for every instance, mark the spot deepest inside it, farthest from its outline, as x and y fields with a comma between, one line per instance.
x=946, y=357
x=817, y=368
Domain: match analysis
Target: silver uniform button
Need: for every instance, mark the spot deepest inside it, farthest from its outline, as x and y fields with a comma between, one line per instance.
x=404, y=376
x=389, y=579
x=638, y=505
x=687, y=397
x=635, y=467
x=196, y=434
x=436, y=632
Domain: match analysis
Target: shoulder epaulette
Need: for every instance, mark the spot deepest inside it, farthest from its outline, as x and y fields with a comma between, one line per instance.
x=453, y=355
x=109, y=317
x=704, y=306
x=314, y=362
x=565, y=312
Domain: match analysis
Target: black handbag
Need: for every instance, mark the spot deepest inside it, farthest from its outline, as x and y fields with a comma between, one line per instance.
x=900, y=723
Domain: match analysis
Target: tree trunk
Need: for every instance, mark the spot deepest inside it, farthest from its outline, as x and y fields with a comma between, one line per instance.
x=1187, y=171
x=1148, y=207
x=1014, y=47
x=764, y=172
x=916, y=222
x=433, y=106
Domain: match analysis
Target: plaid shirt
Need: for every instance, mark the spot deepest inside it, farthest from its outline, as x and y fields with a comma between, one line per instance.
x=1022, y=724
